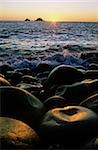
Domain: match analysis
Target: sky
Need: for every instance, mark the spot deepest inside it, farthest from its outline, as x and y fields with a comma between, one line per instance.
x=49, y=10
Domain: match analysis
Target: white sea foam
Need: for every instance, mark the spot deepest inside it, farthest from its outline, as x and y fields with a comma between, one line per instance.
x=26, y=44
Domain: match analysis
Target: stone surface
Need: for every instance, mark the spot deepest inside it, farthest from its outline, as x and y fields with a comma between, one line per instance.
x=20, y=104
x=64, y=75
x=4, y=82
x=91, y=74
x=91, y=102
x=15, y=134
x=72, y=126
x=93, y=144
x=77, y=92
x=55, y=102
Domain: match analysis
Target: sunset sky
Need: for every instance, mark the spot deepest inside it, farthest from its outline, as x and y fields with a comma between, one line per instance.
x=50, y=10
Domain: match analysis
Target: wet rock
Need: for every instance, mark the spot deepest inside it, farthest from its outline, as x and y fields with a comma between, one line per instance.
x=15, y=134
x=4, y=82
x=4, y=68
x=92, y=57
x=64, y=74
x=42, y=77
x=14, y=77
x=42, y=67
x=55, y=102
x=77, y=92
x=89, y=54
x=72, y=126
x=25, y=71
x=28, y=79
x=93, y=144
x=93, y=66
x=30, y=87
x=20, y=104
x=73, y=47
x=91, y=74
x=91, y=102
x=1, y=75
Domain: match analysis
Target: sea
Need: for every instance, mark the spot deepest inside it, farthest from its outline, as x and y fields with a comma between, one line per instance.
x=26, y=44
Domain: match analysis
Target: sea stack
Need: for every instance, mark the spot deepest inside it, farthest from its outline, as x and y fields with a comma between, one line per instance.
x=27, y=19
x=39, y=19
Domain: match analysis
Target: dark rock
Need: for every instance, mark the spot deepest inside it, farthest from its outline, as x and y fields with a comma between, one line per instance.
x=42, y=77
x=30, y=87
x=14, y=77
x=25, y=71
x=1, y=75
x=28, y=79
x=15, y=134
x=42, y=67
x=39, y=19
x=55, y=102
x=89, y=54
x=71, y=125
x=64, y=74
x=91, y=74
x=77, y=92
x=91, y=102
x=92, y=56
x=73, y=47
x=4, y=82
x=4, y=68
x=93, y=66
x=93, y=144
x=27, y=19
x=20, y=104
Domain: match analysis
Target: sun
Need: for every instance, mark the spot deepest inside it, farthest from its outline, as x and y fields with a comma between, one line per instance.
x=53, y=20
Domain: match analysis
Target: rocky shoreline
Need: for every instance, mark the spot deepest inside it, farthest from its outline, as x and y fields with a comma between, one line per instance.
x=50, y=107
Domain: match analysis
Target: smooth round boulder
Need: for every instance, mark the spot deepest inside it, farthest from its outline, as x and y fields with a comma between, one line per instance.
x=64, y=74
x=42, y=67
x=78, y=91
x=55, y=101
x=15, y=134
x=91, y=102
x=20, y=104
x=4, y=82
x=71, y=125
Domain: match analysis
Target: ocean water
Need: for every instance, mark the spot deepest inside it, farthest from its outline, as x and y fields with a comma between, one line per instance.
x=26, y=44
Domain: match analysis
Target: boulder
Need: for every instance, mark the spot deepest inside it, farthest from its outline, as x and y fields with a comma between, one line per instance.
x=4, y=82
x=15, y=134
x=78, y=91
x=91, y=74
x=72, y=126
x=20, y=104
x=64, y=75
x=91, y=102
x=55, y=102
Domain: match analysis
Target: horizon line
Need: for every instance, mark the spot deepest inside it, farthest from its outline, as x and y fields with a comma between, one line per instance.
x=46, y=20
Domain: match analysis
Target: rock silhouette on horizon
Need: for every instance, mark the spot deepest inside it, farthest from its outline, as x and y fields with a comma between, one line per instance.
x=27, y=19
x=39, y=19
